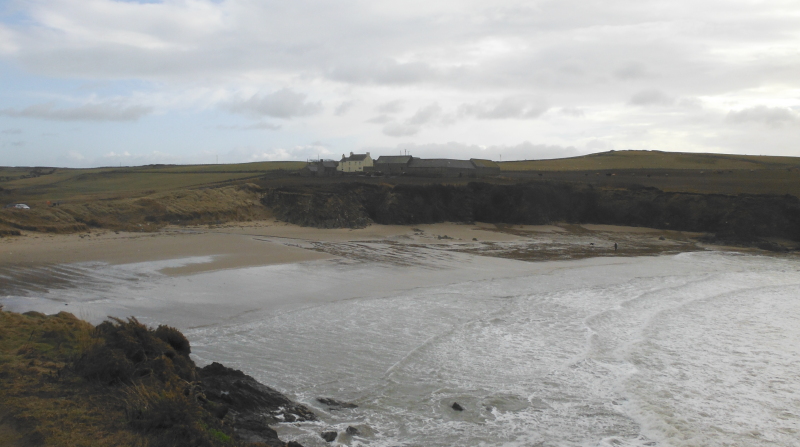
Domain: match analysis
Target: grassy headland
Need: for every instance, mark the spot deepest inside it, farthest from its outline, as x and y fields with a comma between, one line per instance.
x=64, y=382
x=134, y=199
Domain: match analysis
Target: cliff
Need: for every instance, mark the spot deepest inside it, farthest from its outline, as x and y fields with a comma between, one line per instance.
x=742, y=219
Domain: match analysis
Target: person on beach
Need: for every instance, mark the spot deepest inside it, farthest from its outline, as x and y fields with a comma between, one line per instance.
x=615, y=246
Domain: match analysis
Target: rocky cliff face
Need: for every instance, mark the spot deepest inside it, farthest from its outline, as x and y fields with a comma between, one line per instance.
x=740, y=218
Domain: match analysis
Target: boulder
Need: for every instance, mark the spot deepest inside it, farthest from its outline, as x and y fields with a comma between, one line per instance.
x=335, y=404
x=244, y=395
x=457, y=407
x=328, y=436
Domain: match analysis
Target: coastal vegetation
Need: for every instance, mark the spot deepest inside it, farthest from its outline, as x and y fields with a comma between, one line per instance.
x=66, y=382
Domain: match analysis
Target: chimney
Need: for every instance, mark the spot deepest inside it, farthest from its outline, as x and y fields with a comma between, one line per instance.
x=351, y=154
x=367, y=154
x=343, y=156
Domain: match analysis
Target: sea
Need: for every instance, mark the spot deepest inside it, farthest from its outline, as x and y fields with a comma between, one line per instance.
x=690, y=349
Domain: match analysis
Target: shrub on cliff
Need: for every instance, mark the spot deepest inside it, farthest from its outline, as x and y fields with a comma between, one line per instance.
x=130, y=350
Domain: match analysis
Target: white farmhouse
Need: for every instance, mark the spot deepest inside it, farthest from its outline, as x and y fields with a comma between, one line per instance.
x=354, y=163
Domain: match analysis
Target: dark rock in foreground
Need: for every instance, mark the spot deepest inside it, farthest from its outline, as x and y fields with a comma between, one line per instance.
x=457, y=407
x=252, y=405
x=328, y=436
x=244, y=394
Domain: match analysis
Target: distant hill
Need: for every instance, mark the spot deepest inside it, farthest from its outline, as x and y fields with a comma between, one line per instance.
x=653, y=160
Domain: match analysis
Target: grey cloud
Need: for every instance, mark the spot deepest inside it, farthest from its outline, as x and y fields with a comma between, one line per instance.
x=572, y=111
x=391, y=106
x=283, y=104
x=413, y=124
x=343, y=108
x=400, y=130
x=425, y=115
x=385, y=71
x=510, y=107
x=633, y=70
x=771, y=116
x=104, y=111
x=650, y=97
x=263, y=125
x=11, y=131
x=380, y=119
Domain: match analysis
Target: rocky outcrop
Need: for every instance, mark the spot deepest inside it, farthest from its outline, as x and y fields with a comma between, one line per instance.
x=251, y=405
x=334, y=404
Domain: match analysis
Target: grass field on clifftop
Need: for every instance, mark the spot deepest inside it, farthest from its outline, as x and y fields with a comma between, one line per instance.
x=54, y=184
x=654, y=160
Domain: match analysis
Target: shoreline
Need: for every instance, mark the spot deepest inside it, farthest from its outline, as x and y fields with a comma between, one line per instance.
x=260, y=243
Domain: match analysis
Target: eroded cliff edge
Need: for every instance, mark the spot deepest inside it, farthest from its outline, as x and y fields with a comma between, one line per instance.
x=743, y=219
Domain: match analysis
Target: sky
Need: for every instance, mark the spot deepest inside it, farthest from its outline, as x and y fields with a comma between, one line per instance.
x=121, y=82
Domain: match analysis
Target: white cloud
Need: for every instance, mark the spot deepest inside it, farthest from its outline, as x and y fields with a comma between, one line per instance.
x=490, y=67
x=76, y=156
x=7, y=41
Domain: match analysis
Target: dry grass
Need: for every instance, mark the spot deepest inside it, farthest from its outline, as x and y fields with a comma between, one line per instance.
x=47, y=399
x=148, y=213
x=41, y=401
x=49, y=184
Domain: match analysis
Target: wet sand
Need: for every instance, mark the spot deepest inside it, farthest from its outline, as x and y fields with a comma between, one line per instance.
x=246, y=244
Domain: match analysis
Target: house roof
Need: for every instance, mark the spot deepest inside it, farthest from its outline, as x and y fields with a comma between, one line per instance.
x=355, y=157
x=481, y=163
x=330, y=164
x=394, y=159
x=440, y=163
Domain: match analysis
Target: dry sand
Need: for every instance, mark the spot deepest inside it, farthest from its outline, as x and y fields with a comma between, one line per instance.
x=270, y=242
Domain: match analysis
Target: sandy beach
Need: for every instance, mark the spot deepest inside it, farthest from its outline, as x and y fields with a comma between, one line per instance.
x=270, y=242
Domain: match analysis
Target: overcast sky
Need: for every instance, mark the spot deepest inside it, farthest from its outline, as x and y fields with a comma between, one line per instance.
x=109, y=82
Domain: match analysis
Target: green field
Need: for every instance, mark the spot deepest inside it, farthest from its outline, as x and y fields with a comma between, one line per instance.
x=40, y=184
x=653, y=160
